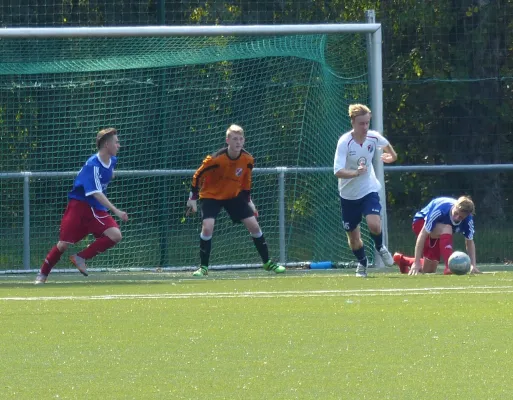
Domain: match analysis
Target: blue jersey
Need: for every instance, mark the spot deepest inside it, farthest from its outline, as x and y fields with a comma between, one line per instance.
x=439, y=211
x=94, y=177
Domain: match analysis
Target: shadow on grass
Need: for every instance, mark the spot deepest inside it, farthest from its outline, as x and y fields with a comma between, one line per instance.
x=185, y=277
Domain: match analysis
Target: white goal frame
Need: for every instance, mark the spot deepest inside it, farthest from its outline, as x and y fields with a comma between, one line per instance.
x=374, y=55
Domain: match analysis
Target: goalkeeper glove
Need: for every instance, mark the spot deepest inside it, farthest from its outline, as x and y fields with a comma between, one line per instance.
x=192, y=203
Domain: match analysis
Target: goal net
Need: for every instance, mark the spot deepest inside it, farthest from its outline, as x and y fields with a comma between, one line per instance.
x=171, y=99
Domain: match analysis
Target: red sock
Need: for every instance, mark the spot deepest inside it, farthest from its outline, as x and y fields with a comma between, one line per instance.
x=98, y=246
x=52, y=258
x=446, y=250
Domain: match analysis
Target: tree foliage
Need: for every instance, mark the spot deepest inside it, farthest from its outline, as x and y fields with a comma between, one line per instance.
x=448, y=76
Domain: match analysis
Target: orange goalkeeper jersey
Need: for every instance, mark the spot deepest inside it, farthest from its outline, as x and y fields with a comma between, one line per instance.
x=220, y=177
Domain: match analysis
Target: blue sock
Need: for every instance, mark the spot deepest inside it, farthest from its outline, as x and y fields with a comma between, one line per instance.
x=378, y=240
x=360, y=256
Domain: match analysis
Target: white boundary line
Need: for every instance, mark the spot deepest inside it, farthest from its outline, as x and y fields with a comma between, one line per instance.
x=277, y=294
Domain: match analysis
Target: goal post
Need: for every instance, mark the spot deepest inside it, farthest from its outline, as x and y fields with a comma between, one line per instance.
x=171, y=92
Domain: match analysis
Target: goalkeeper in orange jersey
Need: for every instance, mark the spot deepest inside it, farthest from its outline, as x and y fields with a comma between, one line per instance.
x=224, y=181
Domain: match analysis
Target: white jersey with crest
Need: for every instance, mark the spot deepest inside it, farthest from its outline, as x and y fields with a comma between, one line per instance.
x=350, y=155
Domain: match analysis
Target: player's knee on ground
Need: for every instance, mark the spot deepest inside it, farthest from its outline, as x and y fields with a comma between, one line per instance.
x=429, y=266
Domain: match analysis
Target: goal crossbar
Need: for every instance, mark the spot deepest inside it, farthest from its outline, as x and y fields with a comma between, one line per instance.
x=164, y=31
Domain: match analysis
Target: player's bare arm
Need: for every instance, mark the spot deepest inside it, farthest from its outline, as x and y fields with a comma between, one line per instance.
x=471, y=251
x=340, y=169
x=346, y=173
x=419, y=246
x=123, y=216
x=389, y=155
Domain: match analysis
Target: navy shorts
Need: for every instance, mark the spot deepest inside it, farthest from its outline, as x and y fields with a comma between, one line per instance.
x=237, y=208
x=352, y=210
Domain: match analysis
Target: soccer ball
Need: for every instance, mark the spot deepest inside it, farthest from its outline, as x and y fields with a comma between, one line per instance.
x=459, y=263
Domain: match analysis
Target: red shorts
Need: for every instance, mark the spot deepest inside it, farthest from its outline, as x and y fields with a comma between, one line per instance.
x=80, y=219
x=431, y=248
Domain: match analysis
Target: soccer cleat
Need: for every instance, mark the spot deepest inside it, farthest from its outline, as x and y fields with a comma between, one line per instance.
x=201, y=271
x=361, y=271
x=40, y=279
x=79, y=263
x=447, y=271
x=271, y=266
x=386, y=256
x=401, y=263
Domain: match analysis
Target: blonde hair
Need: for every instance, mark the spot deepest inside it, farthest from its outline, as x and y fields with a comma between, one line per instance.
x=466, y=205
x=104, y=135
x=234, y=129
x=355, y=110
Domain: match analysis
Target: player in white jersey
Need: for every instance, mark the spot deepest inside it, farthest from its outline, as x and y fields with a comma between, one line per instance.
x=358, y=186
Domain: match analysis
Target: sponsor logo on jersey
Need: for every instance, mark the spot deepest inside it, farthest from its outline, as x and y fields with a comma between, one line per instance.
x=362, y=161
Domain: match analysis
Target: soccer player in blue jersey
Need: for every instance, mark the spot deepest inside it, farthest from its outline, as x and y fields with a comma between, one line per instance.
x=358, y=186
x=87, y=210
x=434, y=226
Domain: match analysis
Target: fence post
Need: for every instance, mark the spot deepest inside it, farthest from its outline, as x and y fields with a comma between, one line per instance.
x=26, y=220
x=376, y=97
x=281, y=215
x=162, y=12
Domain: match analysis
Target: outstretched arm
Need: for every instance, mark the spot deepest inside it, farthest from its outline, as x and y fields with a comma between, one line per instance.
x=471, y=250
x=419, y=247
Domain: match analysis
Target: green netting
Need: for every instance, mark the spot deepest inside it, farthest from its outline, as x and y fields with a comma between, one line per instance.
x=171, y=100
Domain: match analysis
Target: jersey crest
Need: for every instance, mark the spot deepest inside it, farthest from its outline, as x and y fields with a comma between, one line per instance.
x=362, y=161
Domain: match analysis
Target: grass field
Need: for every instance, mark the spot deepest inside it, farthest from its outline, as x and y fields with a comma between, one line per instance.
x=252, y=335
